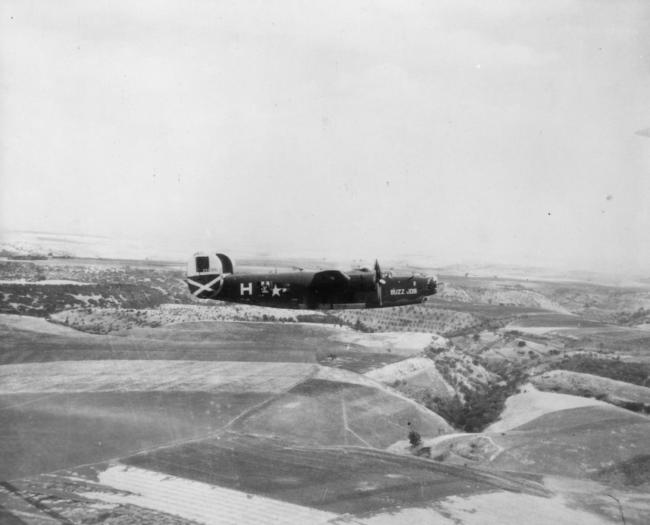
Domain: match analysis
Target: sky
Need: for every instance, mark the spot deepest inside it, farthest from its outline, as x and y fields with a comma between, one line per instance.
x=461, y=131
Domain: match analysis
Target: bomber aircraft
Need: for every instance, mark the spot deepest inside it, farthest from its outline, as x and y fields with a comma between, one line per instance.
x=212, y=276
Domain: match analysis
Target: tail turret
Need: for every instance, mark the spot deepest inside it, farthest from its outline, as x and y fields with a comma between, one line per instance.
x=205, y=274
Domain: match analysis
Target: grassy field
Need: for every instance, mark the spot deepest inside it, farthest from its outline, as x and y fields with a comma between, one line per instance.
x=552, y=319
x=329, y=413
x=580, y=443
x=46, y=432
x=577, y=443
x=371, y=481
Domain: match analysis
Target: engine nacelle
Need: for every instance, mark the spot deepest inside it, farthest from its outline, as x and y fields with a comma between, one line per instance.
x=204, y=263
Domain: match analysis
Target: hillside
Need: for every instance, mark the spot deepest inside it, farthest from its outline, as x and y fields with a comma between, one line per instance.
x=498, y=390
x=618, y=393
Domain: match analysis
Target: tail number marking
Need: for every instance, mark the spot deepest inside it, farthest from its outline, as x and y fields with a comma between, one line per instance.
x=402, y=291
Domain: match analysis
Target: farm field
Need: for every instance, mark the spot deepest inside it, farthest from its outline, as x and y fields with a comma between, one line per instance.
x=173, y=410
x=46, y=432
x=312, y=476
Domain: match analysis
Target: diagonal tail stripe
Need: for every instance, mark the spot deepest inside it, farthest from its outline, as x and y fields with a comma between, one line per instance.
x=208, y=286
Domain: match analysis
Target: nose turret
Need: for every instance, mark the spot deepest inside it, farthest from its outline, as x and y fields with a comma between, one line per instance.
x=432, y=285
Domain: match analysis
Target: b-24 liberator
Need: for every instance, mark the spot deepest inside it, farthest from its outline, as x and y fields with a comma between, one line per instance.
x=212, y=276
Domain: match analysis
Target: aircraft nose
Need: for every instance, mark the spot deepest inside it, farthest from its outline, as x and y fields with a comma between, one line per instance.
x=432, y=285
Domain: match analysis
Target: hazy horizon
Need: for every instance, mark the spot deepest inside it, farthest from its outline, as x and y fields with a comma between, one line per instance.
x=500, y=133
x=107, y=249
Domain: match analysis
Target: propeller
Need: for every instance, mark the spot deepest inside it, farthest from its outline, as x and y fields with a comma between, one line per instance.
x=379, y=280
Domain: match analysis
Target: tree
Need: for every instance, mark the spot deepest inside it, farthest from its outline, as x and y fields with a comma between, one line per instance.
x=414, y=437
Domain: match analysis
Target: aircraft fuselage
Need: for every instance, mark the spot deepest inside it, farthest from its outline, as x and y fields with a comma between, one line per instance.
x=329, y=289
